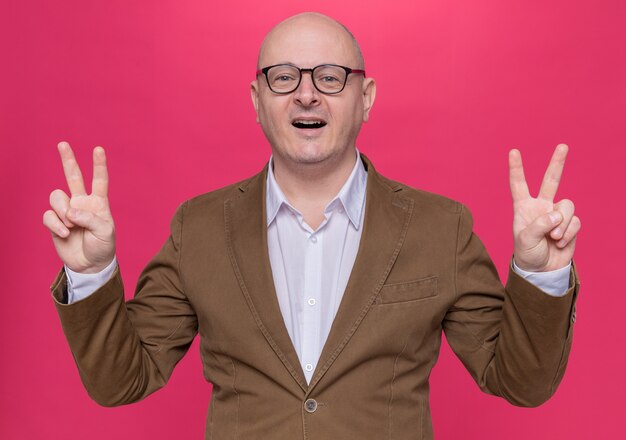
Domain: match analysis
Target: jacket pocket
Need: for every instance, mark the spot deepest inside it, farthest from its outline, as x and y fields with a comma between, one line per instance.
x=409, y=291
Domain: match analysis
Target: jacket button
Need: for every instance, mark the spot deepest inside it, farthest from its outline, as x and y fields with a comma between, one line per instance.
x=310, y=405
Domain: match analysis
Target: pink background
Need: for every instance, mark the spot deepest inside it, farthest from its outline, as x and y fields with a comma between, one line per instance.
x=163, y=86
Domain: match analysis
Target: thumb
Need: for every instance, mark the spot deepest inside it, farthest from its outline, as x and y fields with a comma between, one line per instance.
x=89, y=221
x=542, y=225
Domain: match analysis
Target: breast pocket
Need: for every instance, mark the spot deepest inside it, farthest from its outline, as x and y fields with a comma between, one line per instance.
x=409, y=291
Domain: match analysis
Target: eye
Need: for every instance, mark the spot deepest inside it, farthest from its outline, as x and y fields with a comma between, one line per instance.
x=283, y=78
x=329, y=76
x=283, y=74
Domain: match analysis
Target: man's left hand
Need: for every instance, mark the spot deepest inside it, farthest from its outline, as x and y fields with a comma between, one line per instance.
x=544, y=231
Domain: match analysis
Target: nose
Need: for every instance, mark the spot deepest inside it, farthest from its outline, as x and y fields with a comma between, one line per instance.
x=306, y=94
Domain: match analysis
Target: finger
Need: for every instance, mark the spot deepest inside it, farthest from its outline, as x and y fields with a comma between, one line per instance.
x=566, y=208
x=570, y=233
x=552, y=177
x=54, y=224
x=537, y=230
x=100, y=183
x=60, y=203
x=96, y=225
x=519, y=188
x=71, y=169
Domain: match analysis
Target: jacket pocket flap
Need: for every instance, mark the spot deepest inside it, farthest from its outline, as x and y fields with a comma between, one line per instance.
x=408, y=291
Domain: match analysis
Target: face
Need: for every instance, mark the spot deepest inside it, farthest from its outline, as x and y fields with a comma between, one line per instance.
x=308, y=41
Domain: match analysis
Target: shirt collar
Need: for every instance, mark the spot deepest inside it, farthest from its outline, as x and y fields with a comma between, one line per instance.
x=351, y=195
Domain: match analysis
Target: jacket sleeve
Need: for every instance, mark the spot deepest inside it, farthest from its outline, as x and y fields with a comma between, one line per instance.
x=126, y=351
x=514, y=341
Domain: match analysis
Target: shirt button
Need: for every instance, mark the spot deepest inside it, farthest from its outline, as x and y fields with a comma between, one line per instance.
x=311, y=301
x=308, y=367
x=340, y=210
x=310, y=405
x=314, y=239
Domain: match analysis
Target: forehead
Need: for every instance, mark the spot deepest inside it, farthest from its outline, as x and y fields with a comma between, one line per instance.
x=308, y=43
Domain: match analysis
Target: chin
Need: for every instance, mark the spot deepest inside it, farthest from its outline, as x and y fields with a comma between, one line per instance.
x=311, y=156
x=307, y=153
x=307, y=159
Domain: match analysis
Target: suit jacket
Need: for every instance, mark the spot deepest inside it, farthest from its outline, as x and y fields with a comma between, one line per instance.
x=419, y=270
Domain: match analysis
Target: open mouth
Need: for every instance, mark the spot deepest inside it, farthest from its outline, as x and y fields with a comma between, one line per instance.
x=303, y=123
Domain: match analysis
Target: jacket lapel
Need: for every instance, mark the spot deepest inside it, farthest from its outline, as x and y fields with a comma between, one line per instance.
x=246, y=236
x=387, y=217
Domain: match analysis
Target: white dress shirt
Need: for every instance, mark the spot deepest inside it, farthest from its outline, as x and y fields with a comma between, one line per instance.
x=311, y=268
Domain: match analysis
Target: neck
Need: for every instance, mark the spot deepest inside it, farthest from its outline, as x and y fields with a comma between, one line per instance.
x=310, y=187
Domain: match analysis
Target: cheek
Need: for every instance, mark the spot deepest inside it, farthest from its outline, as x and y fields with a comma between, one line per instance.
x=271, y=115
x=266, y=118
x=352, y=117
x=271, y=118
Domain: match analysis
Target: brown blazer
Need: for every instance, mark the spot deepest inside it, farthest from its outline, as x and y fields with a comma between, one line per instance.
x=419, y=270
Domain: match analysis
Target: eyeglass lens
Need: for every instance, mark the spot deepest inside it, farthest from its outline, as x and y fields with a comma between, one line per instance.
x=327, y=78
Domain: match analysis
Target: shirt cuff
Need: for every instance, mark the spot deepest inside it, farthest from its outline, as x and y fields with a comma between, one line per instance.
x=554, y=282
x=81, y=285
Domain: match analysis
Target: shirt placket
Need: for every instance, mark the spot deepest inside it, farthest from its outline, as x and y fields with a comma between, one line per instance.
x=311, y=302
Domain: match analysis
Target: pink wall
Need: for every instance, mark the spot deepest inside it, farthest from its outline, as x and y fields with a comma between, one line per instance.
x=163, y=86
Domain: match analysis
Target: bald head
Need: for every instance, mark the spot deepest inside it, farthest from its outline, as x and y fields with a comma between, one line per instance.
x=313, y=28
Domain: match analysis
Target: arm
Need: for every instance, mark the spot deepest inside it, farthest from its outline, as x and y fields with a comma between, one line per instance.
x=124, y=351
x=513, y=341
x=516, y=342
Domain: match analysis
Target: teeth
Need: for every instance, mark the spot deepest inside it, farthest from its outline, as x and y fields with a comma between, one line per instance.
x=306, y=123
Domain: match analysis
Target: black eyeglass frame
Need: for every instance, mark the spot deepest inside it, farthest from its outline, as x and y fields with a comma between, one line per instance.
x=348, y=71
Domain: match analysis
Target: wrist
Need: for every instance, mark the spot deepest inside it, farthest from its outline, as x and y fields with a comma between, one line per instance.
x=91, y=269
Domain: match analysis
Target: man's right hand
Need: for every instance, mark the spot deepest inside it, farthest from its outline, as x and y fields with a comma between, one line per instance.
x=82, y=227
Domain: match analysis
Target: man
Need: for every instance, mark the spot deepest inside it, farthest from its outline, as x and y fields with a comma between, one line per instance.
x=319, y=288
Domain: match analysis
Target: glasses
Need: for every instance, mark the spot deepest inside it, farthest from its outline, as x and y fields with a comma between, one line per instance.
x=329, y=79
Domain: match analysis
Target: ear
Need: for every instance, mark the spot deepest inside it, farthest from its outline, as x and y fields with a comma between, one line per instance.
x=369, y=95
x=254, y=94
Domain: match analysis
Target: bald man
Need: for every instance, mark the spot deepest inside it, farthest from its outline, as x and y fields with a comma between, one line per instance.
x=320, y=289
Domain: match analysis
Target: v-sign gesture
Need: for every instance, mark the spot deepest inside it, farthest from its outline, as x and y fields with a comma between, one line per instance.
x=81, y=224
x=544, y=231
